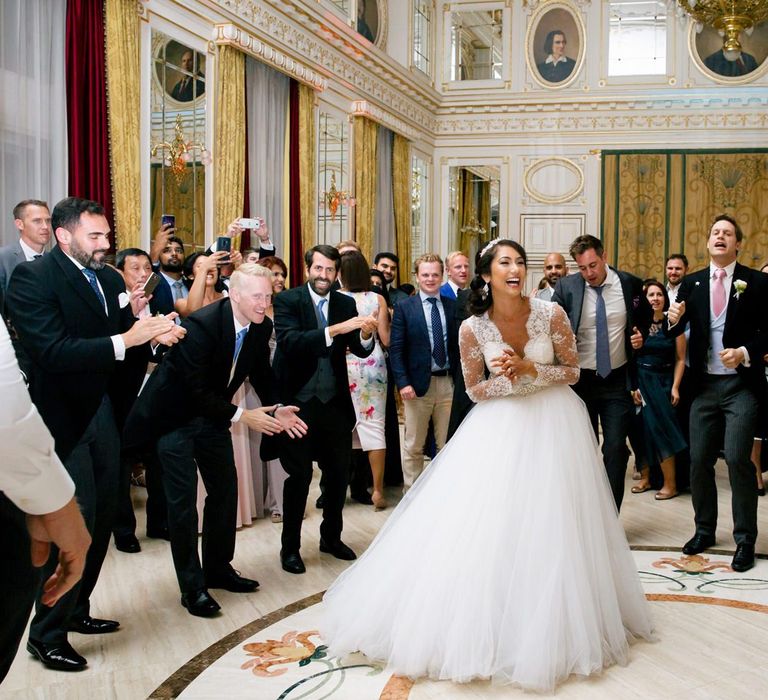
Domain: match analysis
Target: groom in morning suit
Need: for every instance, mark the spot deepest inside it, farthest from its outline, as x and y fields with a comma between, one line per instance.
x=315, y=326
x=610, y=316
x=725, y=305
x=76, y=338
x=186, y=409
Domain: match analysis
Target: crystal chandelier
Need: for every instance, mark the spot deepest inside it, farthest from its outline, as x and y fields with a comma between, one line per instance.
x=729, y=17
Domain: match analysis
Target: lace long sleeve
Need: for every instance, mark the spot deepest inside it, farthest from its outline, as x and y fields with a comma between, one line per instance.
x=566, y=371
x=473, y=366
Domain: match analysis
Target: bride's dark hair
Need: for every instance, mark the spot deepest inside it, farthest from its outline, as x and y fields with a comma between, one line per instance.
x=480, y=298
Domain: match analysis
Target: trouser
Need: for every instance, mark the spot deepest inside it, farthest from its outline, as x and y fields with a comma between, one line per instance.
x=329, y=442
x=94, y=466
x=724, y=413
x=610, y=407
x=199, y=445
x=435, y=404
x=18, y=581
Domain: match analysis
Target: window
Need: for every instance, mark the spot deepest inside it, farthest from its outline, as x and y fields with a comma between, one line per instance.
x=637, y=39
x=422, y=36
x=333, y=179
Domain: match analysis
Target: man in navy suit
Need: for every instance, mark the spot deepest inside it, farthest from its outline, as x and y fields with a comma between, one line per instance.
x=725, y=307
x=315, y=326
x=33, y=220
x=457, y=270
x=609, y=315
x=424, y=352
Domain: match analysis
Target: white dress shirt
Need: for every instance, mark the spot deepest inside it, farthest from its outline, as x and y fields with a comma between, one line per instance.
x=328, y=340
x=29, y=253
x=717, y=324
x=238, y=327
x=31, y=474
x=616, y=313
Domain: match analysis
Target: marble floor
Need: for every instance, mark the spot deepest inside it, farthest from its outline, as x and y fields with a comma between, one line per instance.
x=706, y=650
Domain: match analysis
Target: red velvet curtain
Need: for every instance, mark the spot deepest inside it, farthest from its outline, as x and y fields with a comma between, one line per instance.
x=296, y=272
x=88, y=136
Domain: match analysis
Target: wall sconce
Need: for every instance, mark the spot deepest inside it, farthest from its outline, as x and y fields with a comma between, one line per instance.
x=335, y=198
x=179, y=152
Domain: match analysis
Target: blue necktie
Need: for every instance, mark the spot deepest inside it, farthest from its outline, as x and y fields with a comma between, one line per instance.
x=438, y=344
x=90, y=275
x=603, y=353
x=239, y=340
x=320, y=314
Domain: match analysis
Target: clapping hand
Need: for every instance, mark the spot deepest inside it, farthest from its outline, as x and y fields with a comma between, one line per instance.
x=369, y=324
x=290, y=421
x=174, y=335
x=514, y=366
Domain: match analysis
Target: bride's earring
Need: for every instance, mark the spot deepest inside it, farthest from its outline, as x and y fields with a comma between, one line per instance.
x=484, y=291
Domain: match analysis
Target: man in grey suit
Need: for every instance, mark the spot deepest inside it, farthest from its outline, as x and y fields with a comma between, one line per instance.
x=33, y=219
x=609, y=315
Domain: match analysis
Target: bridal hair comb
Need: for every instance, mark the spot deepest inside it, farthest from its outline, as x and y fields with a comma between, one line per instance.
x=488, y=246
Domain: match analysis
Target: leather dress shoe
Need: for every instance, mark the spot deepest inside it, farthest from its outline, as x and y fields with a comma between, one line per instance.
x=158, y=533
x=59, y=656
x=92, y=625
x=744, y=559
x=698, y=543
x=320, y=502
x=362, y=497
x=230, y=580
x=127, y=543
x=292, y=563
x=338, y=550
x=200, y=603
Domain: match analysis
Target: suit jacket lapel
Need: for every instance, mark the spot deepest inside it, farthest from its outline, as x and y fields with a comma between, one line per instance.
x=733, y=305
x=577, y=302
x=626, y=289
x=76, y=278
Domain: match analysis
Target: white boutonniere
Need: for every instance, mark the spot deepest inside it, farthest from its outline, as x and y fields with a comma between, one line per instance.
x=739, y=286
x=697, y=284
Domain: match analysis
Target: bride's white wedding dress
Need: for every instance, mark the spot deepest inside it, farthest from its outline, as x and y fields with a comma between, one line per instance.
x=506, y=560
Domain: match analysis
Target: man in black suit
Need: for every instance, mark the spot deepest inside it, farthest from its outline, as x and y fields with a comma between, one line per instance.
x=387, y=264
x=725, y=306
x=424, y=352
x=188, y=88
x=315, y=327
x=609, y=315
x=186, y=407
x=557, y=66
x=66, y=309
x=461, y=404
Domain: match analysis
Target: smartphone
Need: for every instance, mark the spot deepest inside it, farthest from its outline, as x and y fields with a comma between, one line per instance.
x=151, y=284
x=167, y=219
x=254, y=224
x=224, y=243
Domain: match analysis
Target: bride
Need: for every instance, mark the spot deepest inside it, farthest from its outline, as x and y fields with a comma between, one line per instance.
x=506, y=560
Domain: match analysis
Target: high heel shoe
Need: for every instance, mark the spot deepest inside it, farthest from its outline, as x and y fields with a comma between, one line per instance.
x=379, y=502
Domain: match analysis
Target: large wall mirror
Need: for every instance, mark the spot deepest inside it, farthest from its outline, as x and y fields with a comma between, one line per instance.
x=333, y=178
x=177, y=138
x=475, y=196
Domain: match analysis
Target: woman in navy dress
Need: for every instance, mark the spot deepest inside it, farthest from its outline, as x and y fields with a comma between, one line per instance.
x=660, y=367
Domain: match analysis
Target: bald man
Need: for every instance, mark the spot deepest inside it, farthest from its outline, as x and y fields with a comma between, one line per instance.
x=555, y=267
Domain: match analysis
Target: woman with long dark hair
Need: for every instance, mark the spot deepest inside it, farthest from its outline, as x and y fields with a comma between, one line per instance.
x=539, y=582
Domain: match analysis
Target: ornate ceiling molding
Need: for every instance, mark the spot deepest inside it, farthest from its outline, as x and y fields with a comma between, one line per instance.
x=321, y=40
x=361, y=108
x=230, y=34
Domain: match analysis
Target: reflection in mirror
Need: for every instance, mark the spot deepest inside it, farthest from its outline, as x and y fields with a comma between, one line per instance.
x=476, y=45
x=637, y=40
x=419, y=199
x=474, y=206
x=178, y=123
x=333, y=179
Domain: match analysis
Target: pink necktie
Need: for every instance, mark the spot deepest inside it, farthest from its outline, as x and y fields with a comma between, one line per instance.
x=718, y=292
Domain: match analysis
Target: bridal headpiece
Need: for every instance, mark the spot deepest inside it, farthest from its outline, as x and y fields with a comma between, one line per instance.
x=488, y=246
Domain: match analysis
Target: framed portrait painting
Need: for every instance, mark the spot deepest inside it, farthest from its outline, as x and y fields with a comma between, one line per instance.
x=371, y=21
x=180, y=72
x=555, y=44
x=706, y=48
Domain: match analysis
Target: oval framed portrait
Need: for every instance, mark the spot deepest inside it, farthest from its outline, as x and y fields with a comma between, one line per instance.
x=180, y=73
x=706, y=49
x=555, y=44
x=371, y=21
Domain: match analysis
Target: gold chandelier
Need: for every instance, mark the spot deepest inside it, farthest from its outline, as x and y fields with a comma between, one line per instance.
x=729, y=17
x=177, y=153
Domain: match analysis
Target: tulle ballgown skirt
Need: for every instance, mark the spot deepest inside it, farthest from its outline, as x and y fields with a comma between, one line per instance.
x=506, y=560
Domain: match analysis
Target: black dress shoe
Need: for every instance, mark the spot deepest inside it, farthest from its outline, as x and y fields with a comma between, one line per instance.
x=59, y=656
x=231, y=581
x=744, y=559
x=338, y=550
x=292, y=563
x=698, y=543
x=127, y=543
x=761, y=491
x=200, y=603
x=363, y=497
x=320, y=502
x=158, y=533
x=92, y=625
